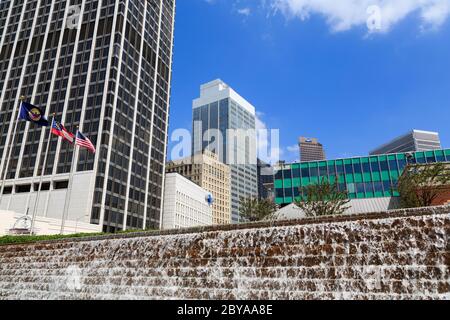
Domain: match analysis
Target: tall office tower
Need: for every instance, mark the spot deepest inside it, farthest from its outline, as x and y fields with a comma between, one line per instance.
x=208, y=172
x=311, y=150
x=416, y=140
x=225, y=123
x=102, y=65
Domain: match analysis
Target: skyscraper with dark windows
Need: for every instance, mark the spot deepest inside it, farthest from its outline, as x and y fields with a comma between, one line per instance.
x=265, y=181
x=103, y=66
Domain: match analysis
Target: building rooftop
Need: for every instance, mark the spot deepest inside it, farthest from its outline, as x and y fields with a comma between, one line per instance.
x=218, y=90
x=410, y=133
x=444, y=151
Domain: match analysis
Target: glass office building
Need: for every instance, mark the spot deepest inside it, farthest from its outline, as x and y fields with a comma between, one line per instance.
x=362, y=178
x=220, y=109
x=102, y=65
x=416, y=140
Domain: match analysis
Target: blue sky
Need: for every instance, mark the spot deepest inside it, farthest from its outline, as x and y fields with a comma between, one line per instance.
x=317, y=70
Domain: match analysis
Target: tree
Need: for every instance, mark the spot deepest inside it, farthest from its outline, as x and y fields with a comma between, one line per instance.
x=253, y=209
x=420, y=184
x=323, y=199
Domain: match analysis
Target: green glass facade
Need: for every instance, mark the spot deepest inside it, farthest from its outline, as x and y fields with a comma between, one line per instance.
x=362, y=178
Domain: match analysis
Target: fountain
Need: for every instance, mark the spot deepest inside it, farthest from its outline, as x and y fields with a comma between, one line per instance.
x=399, y=255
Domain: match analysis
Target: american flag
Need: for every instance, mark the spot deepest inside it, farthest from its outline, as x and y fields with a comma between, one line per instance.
x=84, y=142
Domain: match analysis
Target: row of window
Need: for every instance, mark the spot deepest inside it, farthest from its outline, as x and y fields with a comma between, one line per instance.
x=361, y=177
x=26, y=188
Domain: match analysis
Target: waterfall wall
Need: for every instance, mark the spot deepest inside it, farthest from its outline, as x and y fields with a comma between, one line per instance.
x=397, y=255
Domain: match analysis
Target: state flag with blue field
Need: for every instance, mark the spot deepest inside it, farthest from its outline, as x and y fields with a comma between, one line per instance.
x=34, y=114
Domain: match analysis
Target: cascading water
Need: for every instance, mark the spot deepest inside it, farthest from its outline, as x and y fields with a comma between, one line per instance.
x=403, y=256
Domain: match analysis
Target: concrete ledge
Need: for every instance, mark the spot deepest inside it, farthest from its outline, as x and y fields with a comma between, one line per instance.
x=258, y=225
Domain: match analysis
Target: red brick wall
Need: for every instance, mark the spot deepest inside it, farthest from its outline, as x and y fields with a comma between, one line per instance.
x=401, y=255
x=443, y=198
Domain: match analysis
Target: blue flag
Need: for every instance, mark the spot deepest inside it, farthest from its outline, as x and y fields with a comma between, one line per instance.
x=34, y=114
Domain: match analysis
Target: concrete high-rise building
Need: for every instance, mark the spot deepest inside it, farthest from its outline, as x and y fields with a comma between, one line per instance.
x=186, y=204
x=104, y=66
x=208, y=172
x=416, y=140
x=225, y=123
x=311, y=150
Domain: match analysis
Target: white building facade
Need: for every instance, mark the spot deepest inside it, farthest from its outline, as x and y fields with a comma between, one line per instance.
x=185, y=204
x=12, y=222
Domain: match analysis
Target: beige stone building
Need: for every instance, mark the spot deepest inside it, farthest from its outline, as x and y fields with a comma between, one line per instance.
x=212, y=175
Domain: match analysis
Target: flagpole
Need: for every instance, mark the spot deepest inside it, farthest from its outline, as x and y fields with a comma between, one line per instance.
x=69, y=188
x=11, y=147
x=44, y=164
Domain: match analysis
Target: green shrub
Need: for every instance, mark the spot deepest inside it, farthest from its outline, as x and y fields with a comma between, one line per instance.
x=6, y=240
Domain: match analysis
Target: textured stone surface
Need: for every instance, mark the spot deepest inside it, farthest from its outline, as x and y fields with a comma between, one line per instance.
x=399, y=255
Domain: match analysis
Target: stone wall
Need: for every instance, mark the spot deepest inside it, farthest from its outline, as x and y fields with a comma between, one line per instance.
x=397, y=255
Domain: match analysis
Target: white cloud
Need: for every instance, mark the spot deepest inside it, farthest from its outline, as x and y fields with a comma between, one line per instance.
x=244, y=11
x=260, y=124
x=293, y=148
x=268, y=142
x=263, y=142
x=292, y=154
x=343, y=15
